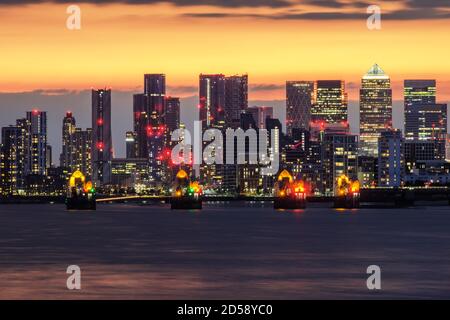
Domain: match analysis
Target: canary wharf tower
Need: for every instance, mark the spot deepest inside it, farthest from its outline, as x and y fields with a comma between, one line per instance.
x=375, y=109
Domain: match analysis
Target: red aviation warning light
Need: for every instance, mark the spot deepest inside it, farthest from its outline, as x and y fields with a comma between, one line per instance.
x=100, y=121
x=100, y=145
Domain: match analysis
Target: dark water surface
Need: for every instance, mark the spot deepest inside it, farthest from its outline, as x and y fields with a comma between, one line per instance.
x=228, y=251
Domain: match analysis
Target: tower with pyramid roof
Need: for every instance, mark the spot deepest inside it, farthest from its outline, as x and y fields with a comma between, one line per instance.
x=375, y=109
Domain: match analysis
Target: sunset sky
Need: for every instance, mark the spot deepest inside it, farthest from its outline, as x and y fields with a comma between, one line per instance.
x=45, y=65
x=271, y=40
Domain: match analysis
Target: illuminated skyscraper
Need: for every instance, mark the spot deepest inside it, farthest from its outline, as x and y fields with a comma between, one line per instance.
x=141, y=124
x=101, y=136
x=212, y=100
x=68, y=151
x=172, y=116
x=36, y=148
x=390, y=159
x=339, y=156
x=299, y=99
x=130, y=141
x=330, y=102
x=157, y=132
x=10, y=158
x=236, y=99
x=82, y=141
x=428, y=122
x=418, y=95
x=375, y=107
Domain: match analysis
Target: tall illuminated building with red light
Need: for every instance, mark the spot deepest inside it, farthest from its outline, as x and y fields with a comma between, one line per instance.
x=140, y=124
x=36, y=146
x=212, y=100
x=101, y=136
x=375, y=106
x=152, y=125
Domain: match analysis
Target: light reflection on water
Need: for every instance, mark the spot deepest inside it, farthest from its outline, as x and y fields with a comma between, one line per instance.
x=232, y=250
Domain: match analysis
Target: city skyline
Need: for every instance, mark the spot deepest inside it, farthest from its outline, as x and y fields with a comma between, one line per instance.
x=320, y=150
x=189, y=108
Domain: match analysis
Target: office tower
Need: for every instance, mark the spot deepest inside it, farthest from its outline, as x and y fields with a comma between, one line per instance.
x=330, y=102
x=419, y=151
x=101, y=136
x=36, y=146
x=172, y=117
x=236, y=99
x=390, y=159
x=68, y=151
x=130, y=141
x=419, y=92
x=375, y=106
x=427, y=122
x=339, y=156
x=212, y=100
x=260, y=114
x=299, y=100
x=155, y=90
x=151, y=130
x=141, y=124
x=22, y=148
x=148, y=110
x=48, y=157
x=10, y=159
x=82, y=141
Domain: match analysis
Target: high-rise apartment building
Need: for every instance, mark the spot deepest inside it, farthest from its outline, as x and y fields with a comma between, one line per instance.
x=172, y=115
x=236, y=99
x=82, y=141
x=212, y=100
x=68, y=150
x=10, y=158
x=36, y=146
x=101, y=136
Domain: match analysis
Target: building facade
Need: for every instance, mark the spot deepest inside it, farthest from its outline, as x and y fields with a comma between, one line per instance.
x=390, y=159
x=236, y=99
x=417, y=93
x=330, y=102
x=299, y=100
x=375, y=109
x=66, y=159
x=101, y=137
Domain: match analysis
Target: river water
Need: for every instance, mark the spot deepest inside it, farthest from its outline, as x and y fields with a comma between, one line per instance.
x=225, y=251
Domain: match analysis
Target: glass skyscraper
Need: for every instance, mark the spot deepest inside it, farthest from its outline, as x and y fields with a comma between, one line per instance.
x=299, y=98
x=375, y=109
x=101, y=136
x=330, y=102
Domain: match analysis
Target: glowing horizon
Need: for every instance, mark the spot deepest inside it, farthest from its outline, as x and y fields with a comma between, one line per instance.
x=118, y=43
